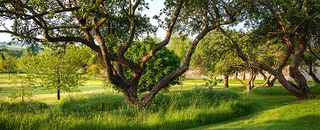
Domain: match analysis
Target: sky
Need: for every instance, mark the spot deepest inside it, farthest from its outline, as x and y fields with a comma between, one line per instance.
x=154, y=9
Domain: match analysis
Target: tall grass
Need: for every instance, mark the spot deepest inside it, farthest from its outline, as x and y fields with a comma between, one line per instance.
x=167, y=111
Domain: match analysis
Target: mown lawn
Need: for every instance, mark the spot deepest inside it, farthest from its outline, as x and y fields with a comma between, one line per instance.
x=276, y=109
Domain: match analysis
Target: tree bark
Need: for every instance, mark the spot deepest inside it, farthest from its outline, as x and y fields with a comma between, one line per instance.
x=244, y=75
x=311, y=73
x=236, y=76
x=272, y=81
x=266, y=79
x=226, y=81
x=58, y=89
x=300, y=89
x=250, y=84
x=58, y=93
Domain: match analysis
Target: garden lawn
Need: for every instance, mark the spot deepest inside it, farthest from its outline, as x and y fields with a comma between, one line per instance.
x=272, y=111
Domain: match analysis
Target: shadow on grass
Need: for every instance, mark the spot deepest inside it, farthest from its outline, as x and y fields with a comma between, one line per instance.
x=308, y=122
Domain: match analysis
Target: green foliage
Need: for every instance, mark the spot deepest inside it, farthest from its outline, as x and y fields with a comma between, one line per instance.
x=59, y=66
x=164, y=62
x=215, y=56
x=211, y=81
x=27, y=62
x=7, y=62
x=56, y=67
x=95, y=66
x=23, y=85
x=180, y=45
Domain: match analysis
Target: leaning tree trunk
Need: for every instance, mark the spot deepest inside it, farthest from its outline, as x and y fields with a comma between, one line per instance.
x=226, y=81
x=266, y=78
x=311, y=73
x=250, y=84
x=272, y=81
x=300, y=89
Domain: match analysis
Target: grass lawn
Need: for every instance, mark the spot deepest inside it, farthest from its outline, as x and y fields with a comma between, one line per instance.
x=182, y=107
x=275, y=108
x=284, y=113
x=231, y=81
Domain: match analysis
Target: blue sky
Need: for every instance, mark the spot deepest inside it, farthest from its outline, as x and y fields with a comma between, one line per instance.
x=154, y=5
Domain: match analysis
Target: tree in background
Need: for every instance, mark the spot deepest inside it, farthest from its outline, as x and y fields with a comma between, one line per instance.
x=57, y=67
x=23, y=86
x=180, y=45
x=215, y=57
x=310, y=66
x=294, y=22
x=7, y=63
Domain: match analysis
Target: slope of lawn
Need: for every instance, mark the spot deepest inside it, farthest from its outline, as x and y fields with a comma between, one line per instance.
x=273, y=111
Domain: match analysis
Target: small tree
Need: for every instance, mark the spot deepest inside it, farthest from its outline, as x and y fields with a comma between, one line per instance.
x=57, y=67
x=23, y=85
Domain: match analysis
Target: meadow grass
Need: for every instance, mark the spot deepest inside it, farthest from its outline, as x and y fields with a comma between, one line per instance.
x=106, y=111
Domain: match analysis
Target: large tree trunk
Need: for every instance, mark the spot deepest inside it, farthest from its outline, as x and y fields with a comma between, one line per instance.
x=131, y=98
x=300, y=89
x=226, y=81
